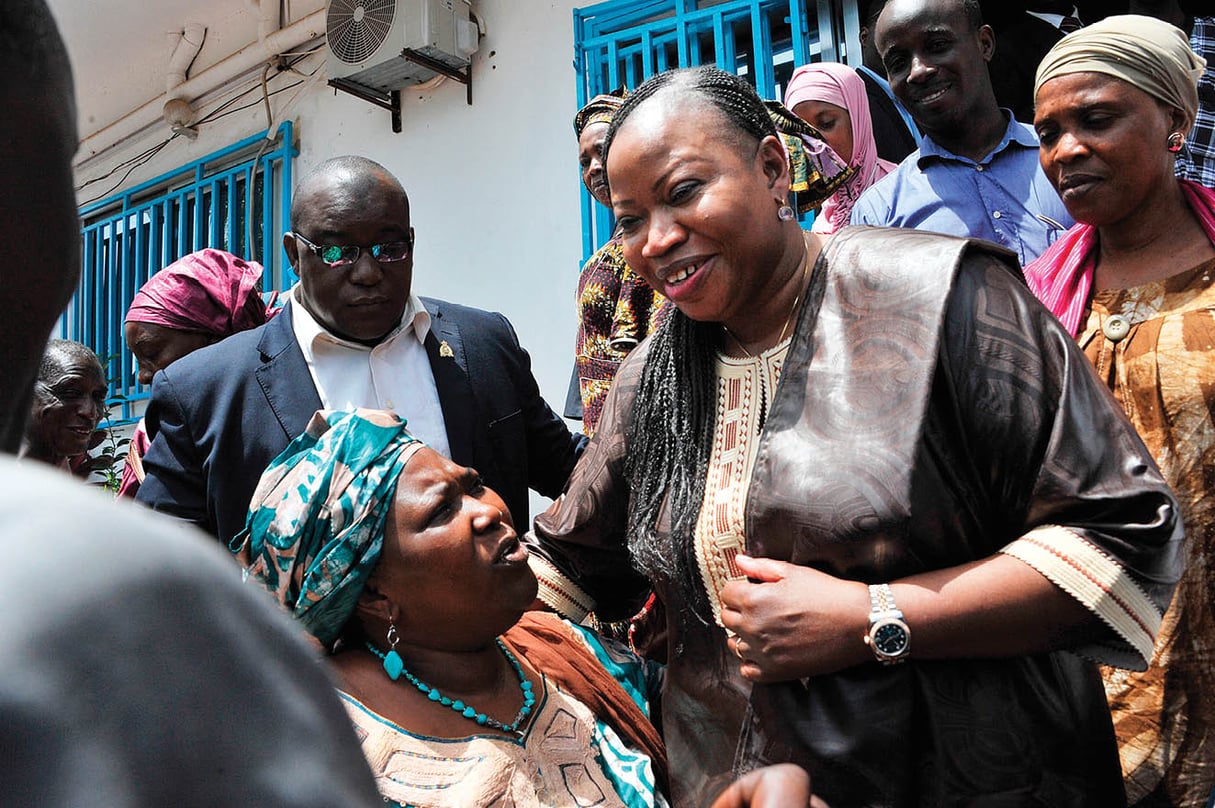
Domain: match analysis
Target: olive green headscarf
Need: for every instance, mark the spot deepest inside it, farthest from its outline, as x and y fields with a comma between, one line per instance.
x=1143, y=51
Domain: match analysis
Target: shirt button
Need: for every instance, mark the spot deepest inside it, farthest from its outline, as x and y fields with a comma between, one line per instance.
x=978, y=168
x=388, y=405
x=997, y=215
x=1116, y=328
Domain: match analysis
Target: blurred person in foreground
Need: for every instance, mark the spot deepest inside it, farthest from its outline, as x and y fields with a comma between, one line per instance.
x=859, y=471
x=135, y=670
x=1133, y=283
x=196, y=301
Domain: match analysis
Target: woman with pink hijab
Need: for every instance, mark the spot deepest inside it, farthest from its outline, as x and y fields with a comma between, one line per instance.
x=194, y=302
x=831, y=98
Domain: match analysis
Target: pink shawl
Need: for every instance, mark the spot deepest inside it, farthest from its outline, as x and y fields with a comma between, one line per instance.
x=840, y=85
x=1062, y=277
x=209, y=292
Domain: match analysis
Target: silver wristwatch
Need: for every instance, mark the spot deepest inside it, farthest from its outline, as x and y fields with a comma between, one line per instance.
x=889, y=636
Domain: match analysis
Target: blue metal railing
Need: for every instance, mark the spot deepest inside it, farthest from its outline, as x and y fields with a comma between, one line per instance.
x=235, y=199
x=624, y=42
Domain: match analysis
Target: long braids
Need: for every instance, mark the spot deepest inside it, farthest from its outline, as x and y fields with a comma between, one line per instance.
x=670, y=436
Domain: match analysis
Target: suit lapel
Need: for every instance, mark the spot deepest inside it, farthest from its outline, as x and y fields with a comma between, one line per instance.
x=284, y=376
x=449, y=365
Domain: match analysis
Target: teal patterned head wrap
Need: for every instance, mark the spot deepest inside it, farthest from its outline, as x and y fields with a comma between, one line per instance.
x=316, y=523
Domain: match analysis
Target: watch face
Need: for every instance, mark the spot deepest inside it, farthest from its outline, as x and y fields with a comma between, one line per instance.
x=890, y=639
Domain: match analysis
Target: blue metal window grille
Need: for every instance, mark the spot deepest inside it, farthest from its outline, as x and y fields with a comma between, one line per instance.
x=623, y=42
x=218, y=201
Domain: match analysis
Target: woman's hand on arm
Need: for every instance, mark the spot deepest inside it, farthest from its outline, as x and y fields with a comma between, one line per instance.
x=795, y=621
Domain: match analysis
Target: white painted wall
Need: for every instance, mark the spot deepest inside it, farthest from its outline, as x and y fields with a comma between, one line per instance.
x=494, y=186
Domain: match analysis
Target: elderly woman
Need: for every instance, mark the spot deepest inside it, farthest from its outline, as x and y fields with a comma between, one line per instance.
x=407, y=567
x=1132, y=282
x=193, y=302
x=616, y=308
x=862, y=478
x=831, y=97
x=69, y=403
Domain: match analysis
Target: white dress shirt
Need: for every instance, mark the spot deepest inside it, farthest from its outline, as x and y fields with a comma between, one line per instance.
x=393, y=375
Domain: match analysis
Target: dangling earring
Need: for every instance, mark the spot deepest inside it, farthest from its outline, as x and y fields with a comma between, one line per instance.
x=393, y=664
x=1176, y=141
x=786, y=213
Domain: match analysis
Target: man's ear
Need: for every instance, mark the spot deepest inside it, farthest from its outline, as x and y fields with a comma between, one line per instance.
x=373, y=604
x=292, y=249
x=987, y=42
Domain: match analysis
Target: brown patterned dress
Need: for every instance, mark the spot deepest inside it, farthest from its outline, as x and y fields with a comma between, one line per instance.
x=1154, y=346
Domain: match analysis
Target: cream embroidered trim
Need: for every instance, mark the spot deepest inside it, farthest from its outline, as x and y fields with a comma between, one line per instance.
x=560, y=593
x=744, y=392
x=1095, y=579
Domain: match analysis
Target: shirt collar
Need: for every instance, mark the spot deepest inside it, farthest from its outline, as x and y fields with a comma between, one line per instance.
x=415, y=320
x=1054, y=19
x=1016, y=132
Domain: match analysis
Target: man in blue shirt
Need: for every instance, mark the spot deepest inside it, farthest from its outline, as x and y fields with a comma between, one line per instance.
x=976, y=172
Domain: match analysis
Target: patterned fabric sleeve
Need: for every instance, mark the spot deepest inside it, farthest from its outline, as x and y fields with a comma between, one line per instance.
x=1083, y=499
x=1095, y=579
x=579, y=549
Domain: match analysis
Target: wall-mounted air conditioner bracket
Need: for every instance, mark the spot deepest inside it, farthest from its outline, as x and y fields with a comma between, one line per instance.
x=463, y=76
x=390, y=101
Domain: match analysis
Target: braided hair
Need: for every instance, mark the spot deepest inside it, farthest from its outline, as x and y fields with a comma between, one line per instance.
x=670, y=436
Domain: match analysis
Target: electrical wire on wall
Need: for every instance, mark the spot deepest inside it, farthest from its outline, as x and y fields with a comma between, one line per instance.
x=222, y=110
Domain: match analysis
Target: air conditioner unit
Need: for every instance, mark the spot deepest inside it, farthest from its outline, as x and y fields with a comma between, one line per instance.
x=386, y=45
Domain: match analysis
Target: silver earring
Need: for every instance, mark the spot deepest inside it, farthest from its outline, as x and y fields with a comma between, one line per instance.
x=1175, y=142
x=786, y=213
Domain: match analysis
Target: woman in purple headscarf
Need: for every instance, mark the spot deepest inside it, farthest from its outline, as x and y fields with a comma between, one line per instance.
x=194, y=302
x=831, y=98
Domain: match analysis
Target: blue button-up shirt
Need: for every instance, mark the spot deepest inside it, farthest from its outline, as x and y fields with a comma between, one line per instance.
x=1004, y=197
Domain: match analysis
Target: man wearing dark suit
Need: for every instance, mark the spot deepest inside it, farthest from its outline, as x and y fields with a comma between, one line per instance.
x=1025, y=31
x=352, y=334
x=893, y=130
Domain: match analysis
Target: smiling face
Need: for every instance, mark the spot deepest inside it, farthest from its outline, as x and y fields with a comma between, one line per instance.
x=451, y=562
x=590, y=158
x=69, y=402
x=363, y=301
x=937, y=63
x=156, y=346
x=696, y=200
x=832, y=121
x=1103, y=145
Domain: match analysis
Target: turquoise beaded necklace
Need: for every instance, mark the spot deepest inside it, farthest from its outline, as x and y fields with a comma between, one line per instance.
x=394, y=666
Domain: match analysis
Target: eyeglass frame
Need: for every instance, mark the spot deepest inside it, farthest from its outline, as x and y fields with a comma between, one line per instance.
x=316, y=249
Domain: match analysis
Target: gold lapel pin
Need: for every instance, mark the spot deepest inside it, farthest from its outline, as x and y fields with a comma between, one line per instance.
x=446, y=351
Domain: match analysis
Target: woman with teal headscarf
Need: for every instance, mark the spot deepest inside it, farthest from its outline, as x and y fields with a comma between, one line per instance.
x=407, y=569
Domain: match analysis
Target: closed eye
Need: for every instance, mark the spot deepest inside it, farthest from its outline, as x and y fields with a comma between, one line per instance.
x=684, y=191
x=441, y=512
